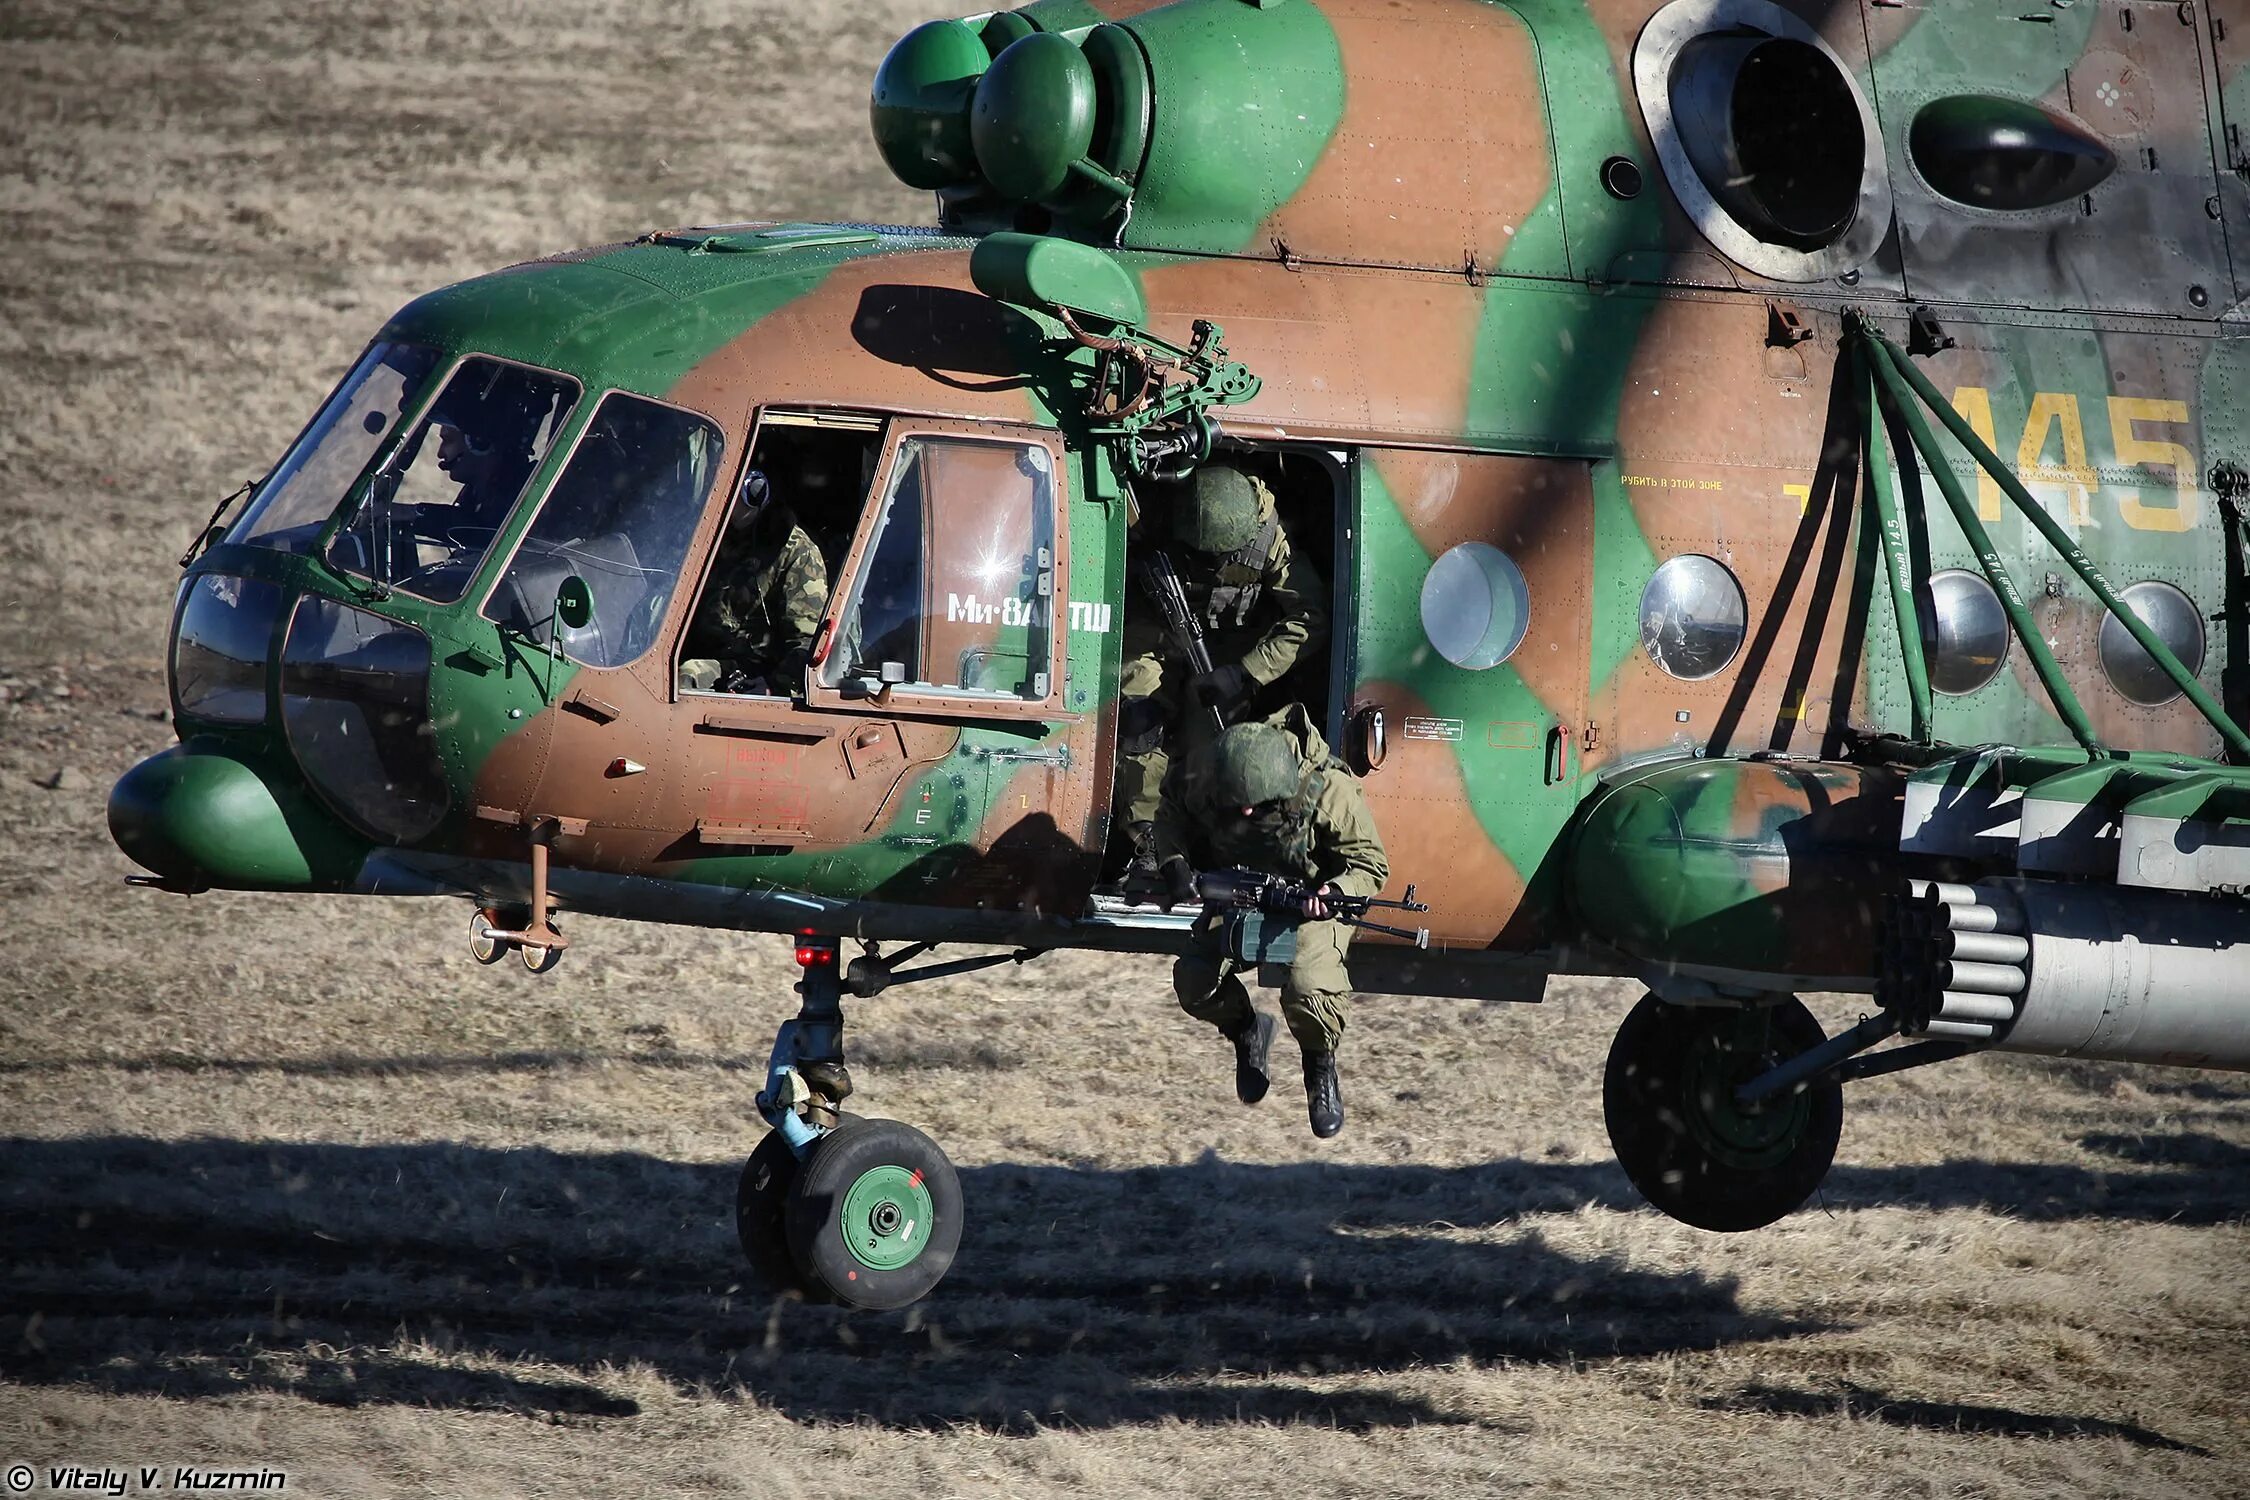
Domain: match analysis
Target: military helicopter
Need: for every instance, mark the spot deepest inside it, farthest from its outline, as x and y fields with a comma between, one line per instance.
x=1778, y=464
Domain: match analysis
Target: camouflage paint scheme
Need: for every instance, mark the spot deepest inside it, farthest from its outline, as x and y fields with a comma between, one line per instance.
x=1396, y=210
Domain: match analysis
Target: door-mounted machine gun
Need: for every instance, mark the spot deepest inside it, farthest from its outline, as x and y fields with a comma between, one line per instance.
x=1147, y=396
x=1162, y=425
x=1279, y=896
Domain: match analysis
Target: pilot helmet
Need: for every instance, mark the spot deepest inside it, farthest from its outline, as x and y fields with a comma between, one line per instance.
x=494, y=417
x=1219, y=511
x=466, y=421
x=750, y=499
x=1255, y=763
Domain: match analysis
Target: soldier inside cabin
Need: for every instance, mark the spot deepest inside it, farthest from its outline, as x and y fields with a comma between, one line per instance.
x=754, y=630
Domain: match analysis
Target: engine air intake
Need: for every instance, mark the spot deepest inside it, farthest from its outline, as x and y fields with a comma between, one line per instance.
x=1764, y=136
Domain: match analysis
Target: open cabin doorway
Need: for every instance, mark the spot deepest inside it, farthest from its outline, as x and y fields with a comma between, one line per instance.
x=1311, y=488
x=1289, y=617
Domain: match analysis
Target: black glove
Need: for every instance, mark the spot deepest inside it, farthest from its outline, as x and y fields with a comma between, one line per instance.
x=1222, y=687
x=1140, y=726
x=1179, y=882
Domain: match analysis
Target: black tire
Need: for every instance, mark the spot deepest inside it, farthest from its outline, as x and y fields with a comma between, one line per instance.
x=760, y=1198
x=874, y=1218
x=1668, y=1099
x=485, y=950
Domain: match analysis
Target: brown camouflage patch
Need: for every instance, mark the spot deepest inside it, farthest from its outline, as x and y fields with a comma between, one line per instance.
x=1443, y=150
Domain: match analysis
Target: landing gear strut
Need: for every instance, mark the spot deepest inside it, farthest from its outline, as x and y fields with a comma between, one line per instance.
x=862, y=1212
x=530, y=931
x=1691, y=1143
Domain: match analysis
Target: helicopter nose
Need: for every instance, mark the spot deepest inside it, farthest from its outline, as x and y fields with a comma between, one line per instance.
x=199, y=818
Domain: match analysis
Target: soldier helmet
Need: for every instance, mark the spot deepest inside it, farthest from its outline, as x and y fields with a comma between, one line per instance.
x=1255, y=763
x=1219, y=511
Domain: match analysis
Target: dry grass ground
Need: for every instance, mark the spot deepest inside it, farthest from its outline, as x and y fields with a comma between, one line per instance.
x=295, y=1183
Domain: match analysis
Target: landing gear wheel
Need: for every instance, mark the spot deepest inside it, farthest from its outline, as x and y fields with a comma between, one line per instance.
x=483, y=949
x=875, y=1216
x=759, y=1201
x=538, y=958
x=1668, y=1099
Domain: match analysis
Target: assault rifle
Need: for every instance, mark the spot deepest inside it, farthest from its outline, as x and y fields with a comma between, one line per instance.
x=1162, y=582
x=1279, y=896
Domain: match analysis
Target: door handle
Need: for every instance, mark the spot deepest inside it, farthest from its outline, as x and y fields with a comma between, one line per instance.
x=1558, y=754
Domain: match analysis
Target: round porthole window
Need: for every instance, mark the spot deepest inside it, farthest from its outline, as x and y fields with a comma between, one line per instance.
x=1693, y=617
x=1965, y=634
x=1475, y=607
x=1764, y=136
x=2177, y=623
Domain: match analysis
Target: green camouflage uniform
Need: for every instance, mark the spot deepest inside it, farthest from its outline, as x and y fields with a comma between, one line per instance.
x=1262, y=608
x=761, y=614
x=1327, y=837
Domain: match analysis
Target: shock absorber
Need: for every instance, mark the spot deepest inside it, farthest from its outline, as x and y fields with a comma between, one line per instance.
x=819, y=1045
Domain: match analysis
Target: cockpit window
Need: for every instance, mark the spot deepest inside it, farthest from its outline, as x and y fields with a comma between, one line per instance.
x=308, y=484
x=619, y=517
x=428, y=517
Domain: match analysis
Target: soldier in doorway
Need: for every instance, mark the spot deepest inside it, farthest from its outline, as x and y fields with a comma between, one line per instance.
x=1261, y=607
x=1267, y=796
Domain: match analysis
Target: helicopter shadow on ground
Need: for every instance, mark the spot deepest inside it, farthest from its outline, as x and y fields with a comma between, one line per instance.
x=445, y=1275
x=1857, y=1401
x=2205, y=1184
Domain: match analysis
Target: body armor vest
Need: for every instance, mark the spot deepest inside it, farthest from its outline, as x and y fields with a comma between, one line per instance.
x=1239, y=579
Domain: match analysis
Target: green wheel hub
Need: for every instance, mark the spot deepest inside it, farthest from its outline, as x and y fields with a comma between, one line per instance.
x=887, y=1218
x=1719, y=1062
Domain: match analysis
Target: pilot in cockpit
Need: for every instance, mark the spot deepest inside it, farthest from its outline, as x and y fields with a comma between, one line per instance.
x=754, y=630
x=485, y=447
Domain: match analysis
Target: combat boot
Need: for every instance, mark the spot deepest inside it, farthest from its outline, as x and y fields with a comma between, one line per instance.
x=1252, y=1042
x=1140, y=882
x=1129, y=866
x=1324, y=1094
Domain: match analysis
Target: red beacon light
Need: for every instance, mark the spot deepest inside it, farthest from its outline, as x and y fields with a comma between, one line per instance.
x=814, y=950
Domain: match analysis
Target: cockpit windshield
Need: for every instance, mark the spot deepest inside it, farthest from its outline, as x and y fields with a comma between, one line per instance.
x=428, y=517
x=618, y=519
x=305, y=488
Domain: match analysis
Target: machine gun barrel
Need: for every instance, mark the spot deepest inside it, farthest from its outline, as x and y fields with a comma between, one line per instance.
x=1418, y=936
x=1279, y=896
x=1153, y=566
